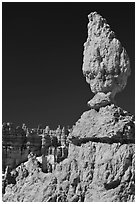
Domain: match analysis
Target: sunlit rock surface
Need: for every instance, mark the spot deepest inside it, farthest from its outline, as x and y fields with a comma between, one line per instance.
x=110, y=122
x=106, y=63
x=100, y=165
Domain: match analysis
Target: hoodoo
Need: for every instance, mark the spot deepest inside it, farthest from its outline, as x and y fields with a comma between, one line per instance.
x=99, y=161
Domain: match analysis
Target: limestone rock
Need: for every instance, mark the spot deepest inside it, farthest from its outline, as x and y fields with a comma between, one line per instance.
x=110, y=122
x=93, y=172
x=100, y=166
x=106, y=63
x=106, y=171
x=100, y=163
x=100, y=100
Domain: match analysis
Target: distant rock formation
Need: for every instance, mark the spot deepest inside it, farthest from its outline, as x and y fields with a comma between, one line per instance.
x=14, y=149
x=18, y=142
x=100, y=166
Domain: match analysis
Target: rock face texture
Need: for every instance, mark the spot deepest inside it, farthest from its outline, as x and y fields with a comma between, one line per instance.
x=92, y=172
x=110, y=123
x=16, y=145
x=13, y=145
x=106, y=63
x=18, y=142
x=100, y=166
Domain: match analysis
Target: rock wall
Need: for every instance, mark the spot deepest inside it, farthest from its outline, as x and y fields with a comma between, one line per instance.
x=18, y=142
x=93, y=172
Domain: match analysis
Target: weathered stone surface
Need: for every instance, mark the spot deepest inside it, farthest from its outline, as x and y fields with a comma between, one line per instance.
x=100, y=100
x=93, y=172
x=109, y=122
x=100, y=166
x=106, y=63
x=18, y=142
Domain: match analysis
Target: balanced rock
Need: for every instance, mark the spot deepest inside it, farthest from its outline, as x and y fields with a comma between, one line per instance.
x=99, y=100
x=106, y=63
x=100, y=166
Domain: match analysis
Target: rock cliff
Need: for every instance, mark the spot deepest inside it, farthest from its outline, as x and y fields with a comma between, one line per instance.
x=100, y=166
x=18, y=142
x=97, y=168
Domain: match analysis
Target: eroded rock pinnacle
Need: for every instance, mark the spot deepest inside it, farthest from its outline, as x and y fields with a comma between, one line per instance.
x=106, y=64
x=99, y=165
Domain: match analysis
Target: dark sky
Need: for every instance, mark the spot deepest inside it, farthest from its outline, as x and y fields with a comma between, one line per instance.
x=42, y=56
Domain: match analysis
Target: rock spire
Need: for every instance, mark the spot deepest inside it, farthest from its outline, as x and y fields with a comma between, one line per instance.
x=106, y=64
